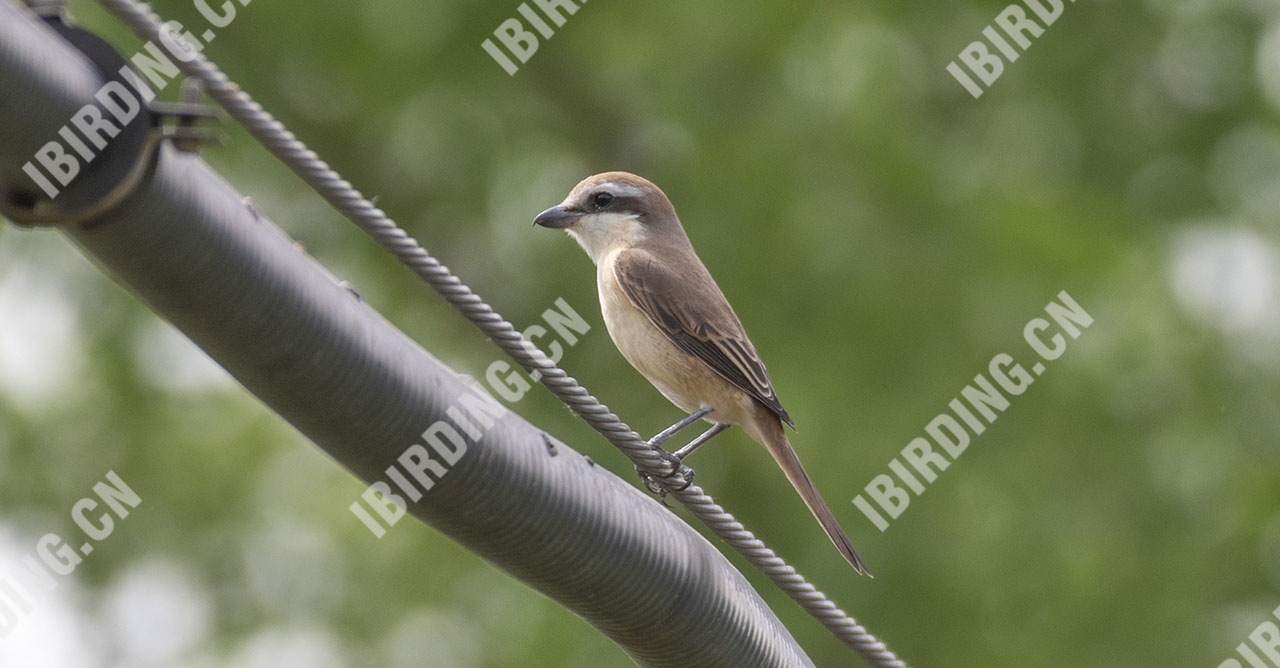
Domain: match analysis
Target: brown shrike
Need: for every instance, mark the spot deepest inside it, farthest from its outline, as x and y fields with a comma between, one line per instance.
x=670, y=320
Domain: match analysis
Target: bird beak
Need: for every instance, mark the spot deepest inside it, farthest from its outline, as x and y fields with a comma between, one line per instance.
x=557, y=218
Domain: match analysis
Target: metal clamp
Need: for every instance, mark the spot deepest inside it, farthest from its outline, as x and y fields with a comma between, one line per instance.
x=126, y=162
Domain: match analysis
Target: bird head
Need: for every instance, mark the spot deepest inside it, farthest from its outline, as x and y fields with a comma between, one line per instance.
x=612, y=210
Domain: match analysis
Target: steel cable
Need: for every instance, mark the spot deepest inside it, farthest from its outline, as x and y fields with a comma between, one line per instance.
x=281, y=143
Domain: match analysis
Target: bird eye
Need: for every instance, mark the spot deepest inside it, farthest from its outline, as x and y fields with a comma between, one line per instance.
x=602, y=200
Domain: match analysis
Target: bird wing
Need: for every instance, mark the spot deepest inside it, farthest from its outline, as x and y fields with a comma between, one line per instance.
x=693, y=313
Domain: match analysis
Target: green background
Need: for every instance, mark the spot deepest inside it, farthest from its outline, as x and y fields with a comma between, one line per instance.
x=881, y=233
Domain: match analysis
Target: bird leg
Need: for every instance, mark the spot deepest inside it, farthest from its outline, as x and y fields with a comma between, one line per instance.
x=676, y=460
x=684, y=422
x=697, y=442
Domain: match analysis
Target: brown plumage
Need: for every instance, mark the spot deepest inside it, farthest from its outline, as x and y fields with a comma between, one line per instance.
x=670, y=320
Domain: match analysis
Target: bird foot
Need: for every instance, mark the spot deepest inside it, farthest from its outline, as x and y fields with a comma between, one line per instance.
x=677, y=469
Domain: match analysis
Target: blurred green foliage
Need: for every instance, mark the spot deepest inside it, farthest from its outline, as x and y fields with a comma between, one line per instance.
x=881, y=233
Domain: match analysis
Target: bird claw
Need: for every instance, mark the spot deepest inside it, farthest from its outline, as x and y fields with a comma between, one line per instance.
x=651, y=484
x=677, y=469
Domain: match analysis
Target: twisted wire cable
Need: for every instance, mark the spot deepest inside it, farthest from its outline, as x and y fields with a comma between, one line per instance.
x=340, y=194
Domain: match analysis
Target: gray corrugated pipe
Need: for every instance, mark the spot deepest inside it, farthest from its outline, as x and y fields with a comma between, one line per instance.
x=275, y=319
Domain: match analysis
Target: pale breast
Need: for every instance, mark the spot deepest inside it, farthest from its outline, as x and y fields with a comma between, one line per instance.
x=682, y=378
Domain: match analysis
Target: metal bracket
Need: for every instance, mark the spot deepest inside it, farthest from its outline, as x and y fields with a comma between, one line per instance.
x=186, y=135
x=47, y=9
x=125, y=163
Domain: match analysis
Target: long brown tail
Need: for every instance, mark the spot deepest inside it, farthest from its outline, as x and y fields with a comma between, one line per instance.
x=775, y=441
